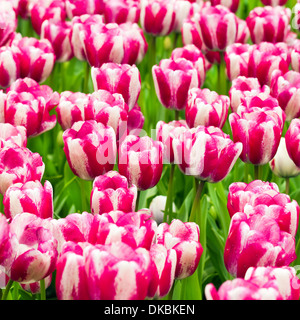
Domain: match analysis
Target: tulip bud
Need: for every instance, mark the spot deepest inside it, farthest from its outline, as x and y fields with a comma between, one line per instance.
x=292, y=140
x=8, y=22
x=81, y=7
x=121, y=11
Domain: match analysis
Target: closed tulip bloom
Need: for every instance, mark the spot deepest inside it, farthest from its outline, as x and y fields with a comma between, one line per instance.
x=9, y=66
x=286, y=89
x=5, y=241
x=237, y=59
x=124, y=79
x=256, y=240
x=165, y=132
x=90, y=148
x=274, y=3
x=172, y=80
x=31, y=197
x=165, y=264
x=120, y=11
x=282, y=165
x=19, y=165
x=258, y=126
x=206, y=153
x=141, y=161
x=111, y=192
x=232, y=5
x=261, y=283
x=157, y=17
x=35, y=251
x=259, y=192
x=295, y=55
x=36, y=57
x=243, y=33
x=58, y=33
x=243, y=87
x=218, y=27
x=117, y=272
x=81, y=7
x=12, y=135
x=207, y=108
x=8, y=22
x=193, y=54
x=190, y=33
x=270, y=24
x=292, y=140
x=184, y=238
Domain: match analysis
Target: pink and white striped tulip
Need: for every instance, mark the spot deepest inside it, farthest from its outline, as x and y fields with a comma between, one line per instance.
x=111, y=192
x=165, y=132
x=292, y=140
x=261, y=283
x=124, y=79
x=8, y=22
x=201, y=152
x=258, y=125
x=12, y=135
x=81, y=7
x=164, y=275
x=172, y=81
x=157, y=17
x=35, y=287
x=59, y=35
x=31, y=197
x=207, y=108
x=218, y=27
x=232, y=5
x=35, y=250
x=256, y=240
x=90, y=148
x=121, y=11
x=295, y=55
x=29, y=104
x=19, y=165
x=274, y=3
x=286, y=89
x=192, y=53
x=9, y=66
x=5, y=241
x=282, y=165
x=270, y=24
x=141, y=161
x=184, y=238
x=36, y=57
x=243, y=87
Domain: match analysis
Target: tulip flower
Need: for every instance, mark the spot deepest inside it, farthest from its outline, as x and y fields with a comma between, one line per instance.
x=258, y=125
x=90, y=148
x=81, y=7
x=36, y=57
x=165, y=132
x=207, y=108
x=12, y=135
x=8, y=22
x=58, y=33
x=243, y=87
x=9, y=66
x=29, y=104
x=111, y=192
x=165, y=264
x=141, y=161
x=274, y=3
x=31, y=197
x=185, y=10
x=157, y=17
x=35, y=287
x=19, y=165
x=118, y=78
x=206, y=153
x=286, y=89
x=295, y=55
x=172, y=80
x=121, y=11
x=218, y=27
x=183, y=237
x=190, y=33
x=270, y=24
x=5, y=241
x=232, y=5
x=292, y=140
x=261, y=283
x=35, y=249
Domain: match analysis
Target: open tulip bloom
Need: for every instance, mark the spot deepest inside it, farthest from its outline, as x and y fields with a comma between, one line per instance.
x=149, y=150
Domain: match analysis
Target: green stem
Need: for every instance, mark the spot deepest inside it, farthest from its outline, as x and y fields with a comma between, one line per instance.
x=43, y=289
x=137, y=200
x=287, y=185
x=256, y=172
x=168, y=215
x=86, y=78
x=176, y=115
x=7, y=289
x=246, y=171
x=196, y=203
x=222, y=78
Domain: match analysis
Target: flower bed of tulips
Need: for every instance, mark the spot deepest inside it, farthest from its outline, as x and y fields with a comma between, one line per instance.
x=149, y=149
